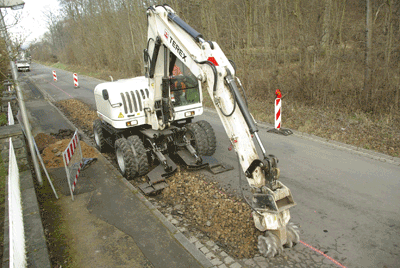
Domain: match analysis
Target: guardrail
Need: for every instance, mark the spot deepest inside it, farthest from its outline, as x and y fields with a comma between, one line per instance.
x=15, y=216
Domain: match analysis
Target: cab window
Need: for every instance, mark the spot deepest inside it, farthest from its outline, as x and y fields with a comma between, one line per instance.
x=184, y=87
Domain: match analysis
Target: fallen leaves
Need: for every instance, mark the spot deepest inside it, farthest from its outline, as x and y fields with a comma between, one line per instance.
x=222, y=217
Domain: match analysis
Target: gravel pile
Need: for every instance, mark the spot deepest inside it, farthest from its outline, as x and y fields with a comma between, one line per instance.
x=224, y=218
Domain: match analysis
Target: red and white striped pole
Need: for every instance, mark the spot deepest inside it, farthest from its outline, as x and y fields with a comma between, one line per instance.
x=54, y=76
x=76, y=84
x=278, y=109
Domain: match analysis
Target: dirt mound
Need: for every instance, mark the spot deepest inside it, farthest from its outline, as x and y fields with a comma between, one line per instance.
x=52, y=154
x=64, y=134
x=43, y=140
x=79, y=113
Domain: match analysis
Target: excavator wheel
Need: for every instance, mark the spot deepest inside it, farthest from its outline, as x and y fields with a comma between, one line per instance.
x=197, y=137
x=293, y=237
x=140, y=160
x=211, y=139
x=125, y=158
x=269, y=245
x=99, y=135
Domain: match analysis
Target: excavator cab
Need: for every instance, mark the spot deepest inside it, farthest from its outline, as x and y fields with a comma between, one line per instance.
x=184, y=87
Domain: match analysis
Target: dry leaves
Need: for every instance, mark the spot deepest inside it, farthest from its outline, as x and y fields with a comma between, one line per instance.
x=222, y=217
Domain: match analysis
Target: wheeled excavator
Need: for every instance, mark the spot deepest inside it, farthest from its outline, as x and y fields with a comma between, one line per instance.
x=148, y=121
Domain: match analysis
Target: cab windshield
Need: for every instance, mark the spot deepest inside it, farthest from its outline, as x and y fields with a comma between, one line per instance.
x=184, y=87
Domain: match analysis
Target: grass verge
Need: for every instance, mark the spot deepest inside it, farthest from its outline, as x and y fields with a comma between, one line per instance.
x=55, y=228
x=82, y=70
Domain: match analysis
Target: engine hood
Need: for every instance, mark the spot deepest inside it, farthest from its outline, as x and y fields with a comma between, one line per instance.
x=115, y=88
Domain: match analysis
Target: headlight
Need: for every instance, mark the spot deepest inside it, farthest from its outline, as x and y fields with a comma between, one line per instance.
x=189, y=114
x=131, y=123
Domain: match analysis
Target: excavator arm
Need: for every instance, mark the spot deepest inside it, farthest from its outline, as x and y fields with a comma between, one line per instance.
x=169, y=37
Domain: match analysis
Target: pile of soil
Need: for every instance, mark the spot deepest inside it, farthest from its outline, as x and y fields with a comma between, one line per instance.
x=64, y=134
x=52, y=149
x=79, y=113
x=224, y=218
x=43, y=140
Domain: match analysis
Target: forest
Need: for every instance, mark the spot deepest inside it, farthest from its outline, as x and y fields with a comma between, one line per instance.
x=314, y=51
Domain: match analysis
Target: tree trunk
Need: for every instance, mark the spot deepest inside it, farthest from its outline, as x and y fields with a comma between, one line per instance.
x=326, y=35
x=367, y=76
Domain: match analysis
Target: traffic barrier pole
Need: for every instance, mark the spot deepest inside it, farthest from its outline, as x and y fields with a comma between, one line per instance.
x=278, y=109
x=54, y=76
x=76, y=84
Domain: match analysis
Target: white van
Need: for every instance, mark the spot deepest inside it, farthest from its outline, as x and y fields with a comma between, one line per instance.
x=23, y=65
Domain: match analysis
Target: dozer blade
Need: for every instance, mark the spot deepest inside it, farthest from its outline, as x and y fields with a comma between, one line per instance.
x=189, y=160
x=156, y=178
x=213, y=165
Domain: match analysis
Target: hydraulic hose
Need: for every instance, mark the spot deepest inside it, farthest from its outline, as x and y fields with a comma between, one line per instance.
x=212, y=65
x=240, y=186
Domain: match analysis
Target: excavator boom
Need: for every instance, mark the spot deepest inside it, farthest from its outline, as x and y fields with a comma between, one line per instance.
x=170, y=38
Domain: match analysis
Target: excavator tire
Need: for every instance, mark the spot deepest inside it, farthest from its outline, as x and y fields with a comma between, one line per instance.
x=211, y=139
x=125, y=158
x=140, y=155
x=99, y=135
x=197, y=137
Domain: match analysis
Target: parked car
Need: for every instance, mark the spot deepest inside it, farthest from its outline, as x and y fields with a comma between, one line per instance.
x=23, y=65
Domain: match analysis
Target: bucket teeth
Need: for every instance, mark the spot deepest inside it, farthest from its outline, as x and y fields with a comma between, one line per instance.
x=293, y=235
x=270, y=245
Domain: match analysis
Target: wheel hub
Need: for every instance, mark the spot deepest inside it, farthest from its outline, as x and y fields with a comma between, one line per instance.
x=120, y=160
x=97, y=138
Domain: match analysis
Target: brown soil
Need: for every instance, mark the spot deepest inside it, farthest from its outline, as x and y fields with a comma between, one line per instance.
x=52, y=154
x=79, y=113
x=43, y=140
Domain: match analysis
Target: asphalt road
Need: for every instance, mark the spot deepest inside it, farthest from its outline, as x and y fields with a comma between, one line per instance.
x=347, y=199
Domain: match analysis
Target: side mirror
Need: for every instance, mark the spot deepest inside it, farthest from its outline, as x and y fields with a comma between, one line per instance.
x=105, y=94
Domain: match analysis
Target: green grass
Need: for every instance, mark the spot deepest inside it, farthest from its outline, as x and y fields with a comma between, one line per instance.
x=3, y=173
x=82, y=70
x=60, y=66
x=57, y=236
x=3, y=119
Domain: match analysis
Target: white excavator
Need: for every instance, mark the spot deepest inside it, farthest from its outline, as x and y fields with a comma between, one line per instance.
x=148, y=122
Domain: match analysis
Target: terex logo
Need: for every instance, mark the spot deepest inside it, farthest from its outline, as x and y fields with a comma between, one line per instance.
x=175, y=45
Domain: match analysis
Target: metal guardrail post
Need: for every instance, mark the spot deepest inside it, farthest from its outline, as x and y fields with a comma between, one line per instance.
x=21, y=102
